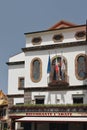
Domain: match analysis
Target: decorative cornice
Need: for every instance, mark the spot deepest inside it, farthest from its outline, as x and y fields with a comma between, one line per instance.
x=15, y=63
x=43, y=31
x=54, y=46
x=55, y=88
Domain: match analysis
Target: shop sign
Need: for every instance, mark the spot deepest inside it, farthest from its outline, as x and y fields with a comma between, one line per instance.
x=56, y=114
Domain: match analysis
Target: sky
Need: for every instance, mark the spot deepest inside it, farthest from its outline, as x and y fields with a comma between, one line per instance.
x=21, y=16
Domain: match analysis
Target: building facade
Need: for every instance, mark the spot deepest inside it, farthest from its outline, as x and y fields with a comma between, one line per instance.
x=47, y=81
x=3, y=111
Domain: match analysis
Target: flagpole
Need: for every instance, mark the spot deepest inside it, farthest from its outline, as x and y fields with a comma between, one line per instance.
x=86, y=30
x=48, y=68
x=61, y=55
x=49, y=53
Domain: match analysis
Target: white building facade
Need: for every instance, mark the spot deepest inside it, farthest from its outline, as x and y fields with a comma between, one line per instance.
x=47, y=81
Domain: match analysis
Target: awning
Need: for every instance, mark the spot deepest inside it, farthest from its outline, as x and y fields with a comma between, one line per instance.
x=52, y=119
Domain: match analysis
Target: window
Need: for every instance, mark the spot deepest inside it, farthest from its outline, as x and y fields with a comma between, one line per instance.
x=58, y=37
x=21, y=82
x=5, y=126
x=77, y=99
x=39, y=99
x=4, y=112
x=36, y=40
x=36, y=70
x=80, y=35
x=81, y=68
x=59, y=68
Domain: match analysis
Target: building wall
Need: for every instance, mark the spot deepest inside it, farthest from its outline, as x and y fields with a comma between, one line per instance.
x=15, y=71
x=59, y=97
x=69, y=53
x=69, y=36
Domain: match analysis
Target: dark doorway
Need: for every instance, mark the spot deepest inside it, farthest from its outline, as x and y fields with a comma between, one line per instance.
x=58, y=126
x=27, y=125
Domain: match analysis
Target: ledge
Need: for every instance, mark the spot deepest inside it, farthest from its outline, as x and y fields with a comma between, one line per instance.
x=15, y=63
x=54, y=46
x=63, y=88
x=48, y=108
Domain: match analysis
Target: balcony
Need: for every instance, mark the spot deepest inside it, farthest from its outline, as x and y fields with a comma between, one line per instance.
x=47, y=108
x=58, y=82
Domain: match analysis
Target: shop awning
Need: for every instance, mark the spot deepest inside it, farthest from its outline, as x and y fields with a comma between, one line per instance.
x=52, y=119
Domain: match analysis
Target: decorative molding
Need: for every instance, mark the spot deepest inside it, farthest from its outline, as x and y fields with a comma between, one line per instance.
x=80, y=35
x=15, y=95
x=36, y=40
x=58, y=38
x=54, y=46
x=50, y=30
x=16, y=63
x=55, y=88
x=76, y=66
x=31, y=70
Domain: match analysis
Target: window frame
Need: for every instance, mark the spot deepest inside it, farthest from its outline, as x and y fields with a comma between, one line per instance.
x=19, y=82
x=36, y=43
x=60, y=39
x=76, y=66
x=80, y=37
x=42, y=97
x=31, y=69
x=78, y=96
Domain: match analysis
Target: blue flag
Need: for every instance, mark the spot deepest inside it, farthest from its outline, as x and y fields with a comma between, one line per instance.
x=49, y=65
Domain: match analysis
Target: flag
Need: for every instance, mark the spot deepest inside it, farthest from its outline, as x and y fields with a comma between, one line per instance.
x=63, y=67
x=49, y=65
x=56, y=66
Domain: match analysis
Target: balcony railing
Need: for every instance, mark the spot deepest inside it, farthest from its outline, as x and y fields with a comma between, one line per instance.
x=58, y=81
x=48, y=108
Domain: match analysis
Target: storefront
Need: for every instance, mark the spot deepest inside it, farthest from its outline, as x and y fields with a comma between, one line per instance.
x=52, y=121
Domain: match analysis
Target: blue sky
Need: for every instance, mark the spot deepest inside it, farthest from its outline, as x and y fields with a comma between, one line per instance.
x=20, y=16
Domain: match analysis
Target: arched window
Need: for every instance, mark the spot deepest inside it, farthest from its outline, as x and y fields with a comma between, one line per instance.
x=81, y=68
x=59, y=68
x=36, y=70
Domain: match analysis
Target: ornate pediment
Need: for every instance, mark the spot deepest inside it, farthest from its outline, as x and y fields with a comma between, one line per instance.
x=62, y=24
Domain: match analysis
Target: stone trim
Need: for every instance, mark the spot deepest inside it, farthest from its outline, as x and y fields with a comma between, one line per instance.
x=31, y=69
x=16, y=63
x=83, y=33
x=54, y=46
x=15, y=95
x=37, y=42
x=63, y=88
x=77, y=76
x=58, y=37
x=49, y=30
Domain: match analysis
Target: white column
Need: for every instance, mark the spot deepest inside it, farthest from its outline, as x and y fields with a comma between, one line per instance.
x=16, y=125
